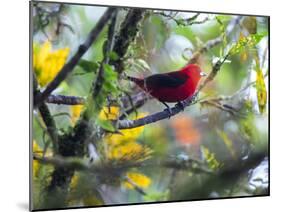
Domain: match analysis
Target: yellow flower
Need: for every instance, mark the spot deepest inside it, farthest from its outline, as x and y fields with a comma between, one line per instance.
x=124, y=146
x=128, y=151
x=48, y=63
x=35, y=164
x=109, y=113
x=91, y=200
x=74, y=181
x=137, y=179
x=75, y=112
x=126, y=135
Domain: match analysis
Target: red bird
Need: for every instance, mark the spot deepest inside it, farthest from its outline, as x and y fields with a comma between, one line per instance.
x=173, y=86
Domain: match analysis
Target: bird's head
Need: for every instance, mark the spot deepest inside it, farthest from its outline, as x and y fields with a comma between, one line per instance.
x=194, y=72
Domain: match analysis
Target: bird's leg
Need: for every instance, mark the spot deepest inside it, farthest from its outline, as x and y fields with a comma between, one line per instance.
x=167, y=108
x=180, y=104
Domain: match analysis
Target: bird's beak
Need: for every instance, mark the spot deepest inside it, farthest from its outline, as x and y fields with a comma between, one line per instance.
x=203, y=74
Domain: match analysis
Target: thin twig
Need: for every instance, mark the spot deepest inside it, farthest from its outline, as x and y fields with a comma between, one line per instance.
x=135, y=186
x=97, y=84
x=213, y=73
x=69, y=66
x=212, y=43
x=182, y=21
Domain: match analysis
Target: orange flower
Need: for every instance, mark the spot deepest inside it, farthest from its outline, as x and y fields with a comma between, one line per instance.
x=184, y=130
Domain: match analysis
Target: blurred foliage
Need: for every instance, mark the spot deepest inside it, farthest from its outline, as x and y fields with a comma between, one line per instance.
x=210, y=159
x=219, y=136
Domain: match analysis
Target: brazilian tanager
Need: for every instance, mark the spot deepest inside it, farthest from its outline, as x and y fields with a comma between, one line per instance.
x=172, y=86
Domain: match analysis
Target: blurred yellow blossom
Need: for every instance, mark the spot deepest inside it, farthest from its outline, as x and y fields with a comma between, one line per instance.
x=74, y=181
x=75, y=111
x=137, y=179
x=35, y=165
x=128, y=151
x=126, y=135
x=124, y=146
x=109, y=113
x=48, y=63
x=92, y=200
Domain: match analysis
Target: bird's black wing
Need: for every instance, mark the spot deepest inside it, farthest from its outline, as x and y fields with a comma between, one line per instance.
x=166, y=80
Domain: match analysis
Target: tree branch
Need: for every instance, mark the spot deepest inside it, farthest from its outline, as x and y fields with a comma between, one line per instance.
x=102, y=169
x=47, y=118
x=129, y=124
x=66, y=100
x=97, y=84
x=50, y=124
x=69, y=66
x=127, y=34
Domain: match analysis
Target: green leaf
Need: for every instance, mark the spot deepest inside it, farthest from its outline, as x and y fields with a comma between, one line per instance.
x=109, y=73
x=157, y=196
x=106, y=124
x=113, y=56
x=88, y=66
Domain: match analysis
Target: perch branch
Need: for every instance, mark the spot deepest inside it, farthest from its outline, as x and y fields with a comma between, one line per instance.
x=69, y=66
x=128, y=124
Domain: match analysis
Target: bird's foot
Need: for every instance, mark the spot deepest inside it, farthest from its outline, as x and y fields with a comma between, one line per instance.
x=180, y=104
x=169, y=111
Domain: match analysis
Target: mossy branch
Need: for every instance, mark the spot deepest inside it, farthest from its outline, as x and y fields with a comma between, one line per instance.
x=47, y=118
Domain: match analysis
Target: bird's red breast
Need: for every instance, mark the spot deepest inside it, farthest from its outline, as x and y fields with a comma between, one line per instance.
x=173, y=86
